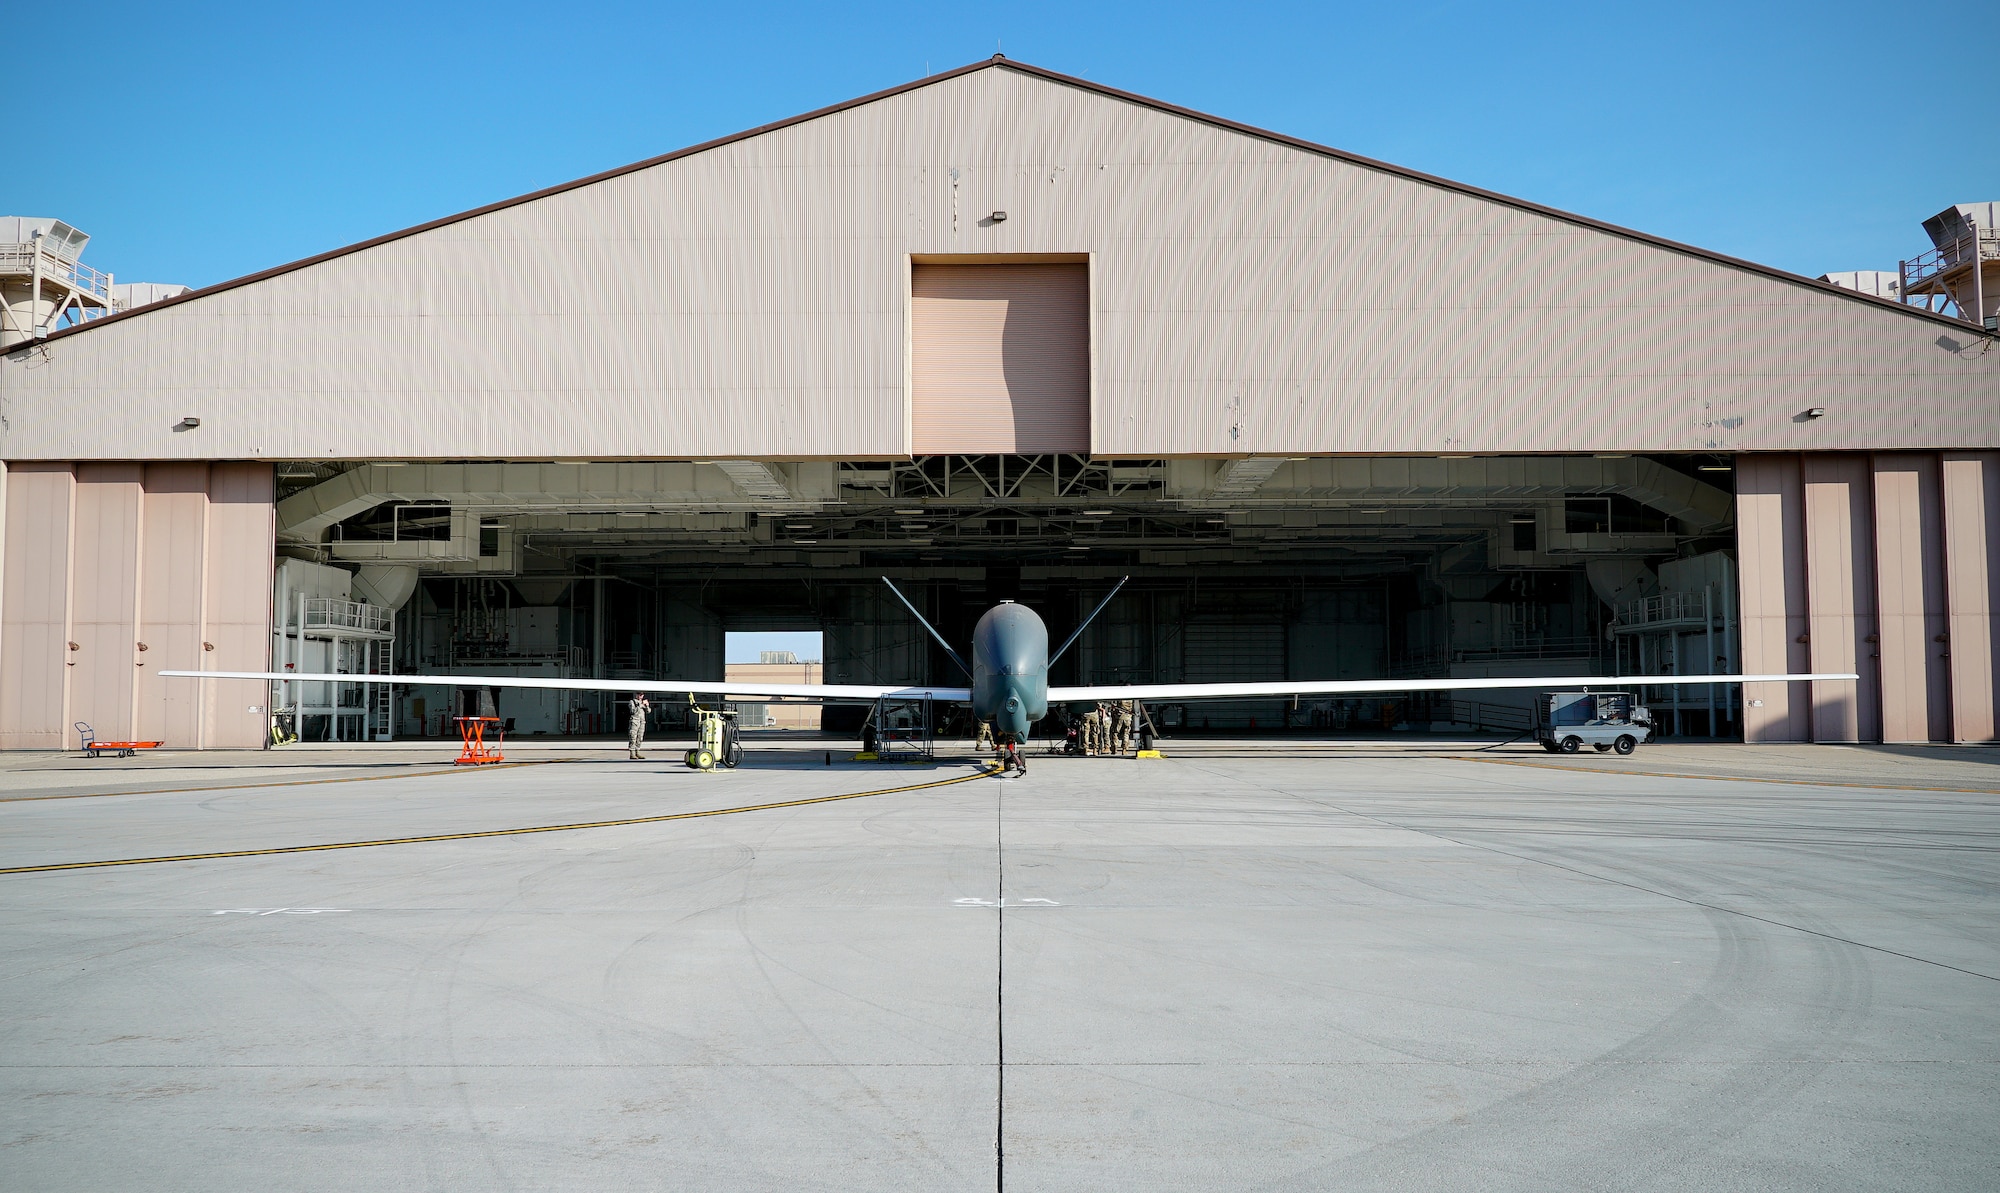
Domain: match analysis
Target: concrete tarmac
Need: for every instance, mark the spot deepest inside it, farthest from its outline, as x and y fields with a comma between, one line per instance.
x=1251, y=965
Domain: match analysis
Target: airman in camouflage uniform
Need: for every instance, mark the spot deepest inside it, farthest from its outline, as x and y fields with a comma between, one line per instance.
x=635, y=724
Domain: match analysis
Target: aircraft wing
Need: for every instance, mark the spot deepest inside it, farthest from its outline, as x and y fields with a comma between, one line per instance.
x=817, y=693
x=1176, y=692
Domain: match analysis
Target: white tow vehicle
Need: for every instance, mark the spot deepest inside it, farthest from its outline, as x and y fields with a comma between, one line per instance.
x=1565, y=722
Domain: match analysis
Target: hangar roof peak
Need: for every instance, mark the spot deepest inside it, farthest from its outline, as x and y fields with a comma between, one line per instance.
x=1056, y=78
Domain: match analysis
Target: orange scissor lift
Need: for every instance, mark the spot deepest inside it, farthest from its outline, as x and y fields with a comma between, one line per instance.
x=478, y=751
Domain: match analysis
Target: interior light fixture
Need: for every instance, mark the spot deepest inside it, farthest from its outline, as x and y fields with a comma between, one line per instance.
x=908, y=513
x=1217, y=521
x=1612, y=456
x=1096, y=513
x=1714, y=468
x=798, y=526
x=1079, y=548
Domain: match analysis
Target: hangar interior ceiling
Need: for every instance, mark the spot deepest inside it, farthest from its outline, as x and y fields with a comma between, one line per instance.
x=1251, y=568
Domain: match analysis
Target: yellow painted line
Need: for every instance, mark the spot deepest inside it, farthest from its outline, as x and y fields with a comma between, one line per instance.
x=1661, y=774
x=498, y=832
x=444, y=769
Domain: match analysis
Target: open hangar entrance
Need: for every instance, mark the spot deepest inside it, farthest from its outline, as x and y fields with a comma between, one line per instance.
x=1244, y=569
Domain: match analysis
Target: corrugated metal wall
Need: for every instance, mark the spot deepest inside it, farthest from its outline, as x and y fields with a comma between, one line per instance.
x=1840, y=594
x=1233, y=651
x=1339, y=635
x=34, y=611
x=1885, y=565
x=999, y=358
x=111, y=573
x=871, y=639
x=750, y=301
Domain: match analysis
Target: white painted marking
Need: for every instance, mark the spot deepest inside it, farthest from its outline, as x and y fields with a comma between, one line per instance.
x=1004, y=903
x=281, y=911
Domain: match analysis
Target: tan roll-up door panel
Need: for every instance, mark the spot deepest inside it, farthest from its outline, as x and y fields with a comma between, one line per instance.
x=999, y=358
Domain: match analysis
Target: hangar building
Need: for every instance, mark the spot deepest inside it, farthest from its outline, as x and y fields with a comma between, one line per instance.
x=1004, y=333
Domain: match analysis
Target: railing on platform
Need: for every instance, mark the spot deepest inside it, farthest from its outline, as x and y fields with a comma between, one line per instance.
x=334, y=614
x=71, y=275
x=1663, y=609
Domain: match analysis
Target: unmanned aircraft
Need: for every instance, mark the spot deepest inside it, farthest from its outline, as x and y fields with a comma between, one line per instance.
x=1010, y=678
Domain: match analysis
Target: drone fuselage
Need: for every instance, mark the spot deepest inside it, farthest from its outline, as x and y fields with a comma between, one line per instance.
x=1010, y=669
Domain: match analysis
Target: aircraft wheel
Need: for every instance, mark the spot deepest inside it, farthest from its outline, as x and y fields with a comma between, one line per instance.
x=1625, y=744
x=1551, y=747
x=1571, y=744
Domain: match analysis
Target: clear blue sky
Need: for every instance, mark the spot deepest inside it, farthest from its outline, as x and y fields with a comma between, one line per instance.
x=200, y=141
x=747, y=646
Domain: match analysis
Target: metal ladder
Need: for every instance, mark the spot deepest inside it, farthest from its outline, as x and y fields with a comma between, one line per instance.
x=381, y=698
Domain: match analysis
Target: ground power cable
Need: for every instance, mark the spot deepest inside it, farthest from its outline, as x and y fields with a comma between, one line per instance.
x=430, y=838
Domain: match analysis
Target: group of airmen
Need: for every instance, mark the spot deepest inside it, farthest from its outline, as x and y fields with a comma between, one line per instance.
x=1107, y=729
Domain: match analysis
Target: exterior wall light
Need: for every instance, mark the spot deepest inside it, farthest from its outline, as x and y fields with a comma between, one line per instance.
x=999, y=217
x=190, y=423
x=1816, y=412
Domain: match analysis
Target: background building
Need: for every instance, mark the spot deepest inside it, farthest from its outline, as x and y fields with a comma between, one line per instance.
x=779, y=667
x=1003, y=333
